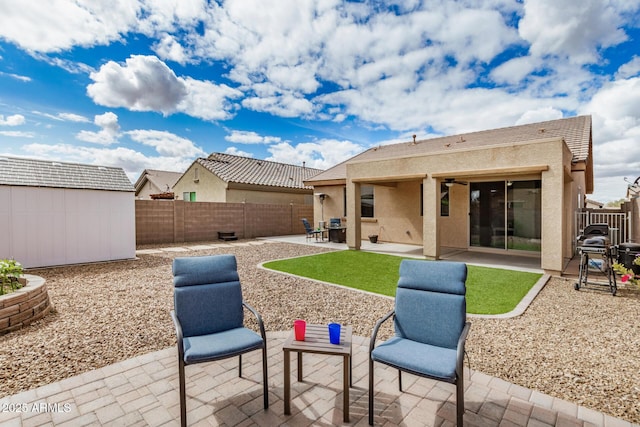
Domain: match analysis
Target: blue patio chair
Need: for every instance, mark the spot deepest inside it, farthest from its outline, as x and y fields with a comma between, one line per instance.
x=310, y=231
x=430, y=327
x=209, y=317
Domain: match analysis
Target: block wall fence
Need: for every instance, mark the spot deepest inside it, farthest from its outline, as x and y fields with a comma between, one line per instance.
x=177, y=221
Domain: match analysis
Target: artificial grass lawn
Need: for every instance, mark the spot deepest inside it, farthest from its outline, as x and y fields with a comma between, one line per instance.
x=489, y=290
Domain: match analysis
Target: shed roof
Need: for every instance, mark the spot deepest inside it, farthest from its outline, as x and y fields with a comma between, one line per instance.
x=247, y=170
x=576, y=132
x=46, y=173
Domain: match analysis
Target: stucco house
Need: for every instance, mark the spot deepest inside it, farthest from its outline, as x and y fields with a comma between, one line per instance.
x=156, y=184
x=235, y=179
x=54, y=213
x=512, y=190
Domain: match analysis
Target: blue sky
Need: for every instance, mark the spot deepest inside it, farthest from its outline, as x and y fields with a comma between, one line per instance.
x=157, y=83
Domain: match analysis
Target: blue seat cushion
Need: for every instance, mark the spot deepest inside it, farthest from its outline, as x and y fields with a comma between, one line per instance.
x=422, y=359
x=203, y=348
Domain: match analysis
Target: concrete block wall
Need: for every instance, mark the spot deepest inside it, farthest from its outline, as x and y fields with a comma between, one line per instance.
x=162, y=221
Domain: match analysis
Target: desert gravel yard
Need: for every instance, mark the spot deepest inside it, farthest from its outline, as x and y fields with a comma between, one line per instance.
x=583, y=346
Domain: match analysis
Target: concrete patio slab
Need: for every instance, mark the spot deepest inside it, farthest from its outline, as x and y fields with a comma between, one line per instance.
x=144, y=391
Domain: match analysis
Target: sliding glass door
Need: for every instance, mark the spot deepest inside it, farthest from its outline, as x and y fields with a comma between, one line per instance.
x=505, y=215
x=524, y=215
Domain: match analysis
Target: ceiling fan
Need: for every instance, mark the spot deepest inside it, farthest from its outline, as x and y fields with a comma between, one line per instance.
x=450, y=181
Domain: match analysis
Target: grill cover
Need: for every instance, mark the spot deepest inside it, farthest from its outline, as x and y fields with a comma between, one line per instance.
x=597, y=241
x=596, y=230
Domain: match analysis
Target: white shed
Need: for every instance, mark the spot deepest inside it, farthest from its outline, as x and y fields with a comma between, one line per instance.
x=54, y=213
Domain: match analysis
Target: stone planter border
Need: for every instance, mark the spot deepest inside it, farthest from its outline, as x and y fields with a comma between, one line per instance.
x=25, y=305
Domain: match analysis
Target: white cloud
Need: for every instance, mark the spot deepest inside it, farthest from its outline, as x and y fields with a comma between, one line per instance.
x=164, y=16
x=615, y=110
x=475, y=33
x=286, y=105
x=63, y=117
x=13, y=120
x=73, y=67
x=424, y=67
x=72, y=117
x=558, y=27
x=514, y=71
x=617, y=100
x=61, y=24
x=539, y=115
x=108, y=134
x=144, y=83
x=234, y=151
x=166, y=143
x=133, y=162
x=249, y=137
x=207, y=100
x=630, y=69
x=25, y=79
x=17, y=134
x=169, y=48
x=321, y=154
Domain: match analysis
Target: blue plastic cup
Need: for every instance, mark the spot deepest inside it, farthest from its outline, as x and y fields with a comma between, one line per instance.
x=334, y=333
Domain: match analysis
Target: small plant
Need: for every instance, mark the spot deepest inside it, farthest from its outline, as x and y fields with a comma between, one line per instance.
x=10, y=272
x=627, y=275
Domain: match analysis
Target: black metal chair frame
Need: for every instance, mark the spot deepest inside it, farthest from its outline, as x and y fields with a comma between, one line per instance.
x=182, y=363
x=458, y=381
x=309, y=230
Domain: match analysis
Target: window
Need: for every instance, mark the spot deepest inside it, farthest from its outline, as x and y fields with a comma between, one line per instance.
x=366, y=201
x=189, y=196
x=444, y=200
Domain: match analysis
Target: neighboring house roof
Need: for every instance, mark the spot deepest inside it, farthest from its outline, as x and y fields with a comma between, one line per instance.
x=46, y=173
x=246, y=170
x=593, y=203
x=576, y=132
x=162, y=180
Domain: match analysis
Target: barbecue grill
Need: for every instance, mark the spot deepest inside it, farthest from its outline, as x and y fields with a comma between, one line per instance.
x=597, y=257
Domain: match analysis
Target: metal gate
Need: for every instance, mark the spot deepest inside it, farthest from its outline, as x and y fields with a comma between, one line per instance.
x=619, y=224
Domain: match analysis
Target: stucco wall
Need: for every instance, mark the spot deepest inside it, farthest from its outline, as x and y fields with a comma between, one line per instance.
x=454, y=229
x=208, y=188
x=399, y=221
x=147, y=190
x=547, y=159
x=276, y=197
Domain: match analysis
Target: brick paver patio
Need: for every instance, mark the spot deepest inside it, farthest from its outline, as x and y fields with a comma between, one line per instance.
x=143, y=391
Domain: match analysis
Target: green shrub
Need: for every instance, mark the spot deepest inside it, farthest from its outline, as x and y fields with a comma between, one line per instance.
x=10, y=272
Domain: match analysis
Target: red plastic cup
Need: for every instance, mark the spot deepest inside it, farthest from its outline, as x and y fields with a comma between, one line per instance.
x=299, y=327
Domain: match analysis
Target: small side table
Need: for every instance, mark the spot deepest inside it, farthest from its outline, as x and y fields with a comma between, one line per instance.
x=338, y=234
x=317, y=341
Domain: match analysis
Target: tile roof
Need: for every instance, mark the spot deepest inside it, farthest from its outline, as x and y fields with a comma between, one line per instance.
x=46, y=173
x=246, y=170
x=576, y=132
x=159, y=179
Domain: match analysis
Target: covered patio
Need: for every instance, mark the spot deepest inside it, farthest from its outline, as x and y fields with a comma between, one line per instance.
x=487, y=259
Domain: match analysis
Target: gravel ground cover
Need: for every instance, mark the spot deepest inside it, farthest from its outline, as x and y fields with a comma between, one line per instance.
x=583, y=346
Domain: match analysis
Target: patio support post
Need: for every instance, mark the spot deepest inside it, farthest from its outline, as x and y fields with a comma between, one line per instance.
x=354, y=223
x=431, y=218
